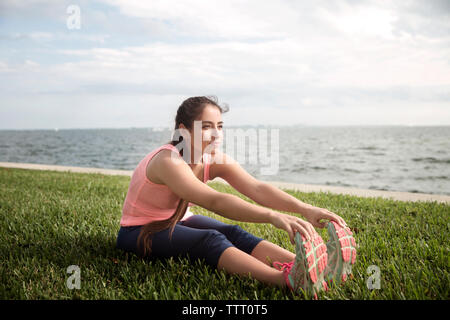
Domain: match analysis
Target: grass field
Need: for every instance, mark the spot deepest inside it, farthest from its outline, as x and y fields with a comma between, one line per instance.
x=50, y=220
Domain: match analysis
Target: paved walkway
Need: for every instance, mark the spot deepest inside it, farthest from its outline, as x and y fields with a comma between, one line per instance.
x=394, y=195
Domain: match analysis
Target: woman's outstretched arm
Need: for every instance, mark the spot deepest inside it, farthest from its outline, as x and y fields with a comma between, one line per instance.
x=178, y=176
x=270, y=196
x=275, y=198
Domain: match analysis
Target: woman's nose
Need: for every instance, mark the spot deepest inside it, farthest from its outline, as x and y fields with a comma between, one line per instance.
x=217, y=133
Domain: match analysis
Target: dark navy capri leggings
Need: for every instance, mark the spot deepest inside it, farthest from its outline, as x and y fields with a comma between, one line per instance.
x=198, y=237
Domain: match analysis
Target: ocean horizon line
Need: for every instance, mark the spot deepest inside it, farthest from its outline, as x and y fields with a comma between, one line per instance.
x=161, y=128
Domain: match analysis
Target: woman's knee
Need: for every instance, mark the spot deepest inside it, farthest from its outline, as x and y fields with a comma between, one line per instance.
x=243, y=239
x=212, y=237
x=213, y=245
x=235, y=233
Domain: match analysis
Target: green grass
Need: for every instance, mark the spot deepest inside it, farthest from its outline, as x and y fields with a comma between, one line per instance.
x=50, y=220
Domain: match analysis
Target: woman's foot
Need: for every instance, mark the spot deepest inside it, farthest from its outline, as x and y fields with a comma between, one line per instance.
x=341, y=248
x=306, y=273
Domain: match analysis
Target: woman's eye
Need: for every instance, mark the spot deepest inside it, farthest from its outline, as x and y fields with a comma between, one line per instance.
x=207, y=127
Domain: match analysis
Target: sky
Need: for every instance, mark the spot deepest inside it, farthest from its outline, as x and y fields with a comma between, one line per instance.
x=131, y=63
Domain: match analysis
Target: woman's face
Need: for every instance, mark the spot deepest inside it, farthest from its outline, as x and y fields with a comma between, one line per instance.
x=210, y=122
x=212, y=134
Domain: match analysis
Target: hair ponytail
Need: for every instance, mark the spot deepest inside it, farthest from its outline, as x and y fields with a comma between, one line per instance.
x=147, y=231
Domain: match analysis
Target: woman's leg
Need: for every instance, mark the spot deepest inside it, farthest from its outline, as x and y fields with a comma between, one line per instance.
x=217, y=250
x=268, y=252
x=262, y=250
x=235, y=261
x=208, y=244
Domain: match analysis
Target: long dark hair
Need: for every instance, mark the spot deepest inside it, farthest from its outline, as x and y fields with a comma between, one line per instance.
x=187, y=112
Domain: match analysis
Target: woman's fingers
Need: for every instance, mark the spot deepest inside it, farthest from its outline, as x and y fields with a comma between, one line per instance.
x=291, y=235
x=340, y=221
x=336, y=218
x=294, y=224
x=310, y=228
x=304, y=231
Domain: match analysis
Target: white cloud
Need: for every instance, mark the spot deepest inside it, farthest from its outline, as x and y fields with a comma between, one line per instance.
x=39, y=36
x=31, y=64
x=279, y=66
x=361, y=21
x=301, y=61
x=227, y=19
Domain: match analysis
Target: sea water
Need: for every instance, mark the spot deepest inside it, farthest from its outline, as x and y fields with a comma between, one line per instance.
x=395, y=158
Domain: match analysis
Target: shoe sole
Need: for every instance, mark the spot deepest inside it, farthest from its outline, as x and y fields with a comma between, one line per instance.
x=345, y=246
x=311, y=256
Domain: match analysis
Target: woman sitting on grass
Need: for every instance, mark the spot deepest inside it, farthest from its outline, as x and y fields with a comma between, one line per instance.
x=155, y=223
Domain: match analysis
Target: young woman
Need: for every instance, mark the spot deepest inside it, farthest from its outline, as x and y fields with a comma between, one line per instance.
x=170, y=179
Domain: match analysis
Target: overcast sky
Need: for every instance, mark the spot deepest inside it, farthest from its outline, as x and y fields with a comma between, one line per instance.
x=131, y=63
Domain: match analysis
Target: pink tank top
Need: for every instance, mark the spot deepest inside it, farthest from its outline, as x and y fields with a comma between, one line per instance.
x=147, y=201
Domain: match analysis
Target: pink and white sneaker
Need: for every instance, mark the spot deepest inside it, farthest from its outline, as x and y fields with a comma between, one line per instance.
x=306, y=273
x=341, y=248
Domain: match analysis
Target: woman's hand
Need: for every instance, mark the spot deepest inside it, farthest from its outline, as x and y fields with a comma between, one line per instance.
x=291, y=224
x=315, y=214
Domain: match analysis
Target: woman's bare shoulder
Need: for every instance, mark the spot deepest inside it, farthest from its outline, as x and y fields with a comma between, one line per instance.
x=158, y=160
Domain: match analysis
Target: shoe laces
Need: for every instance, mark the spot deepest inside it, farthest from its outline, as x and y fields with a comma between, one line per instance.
x=285, y=266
